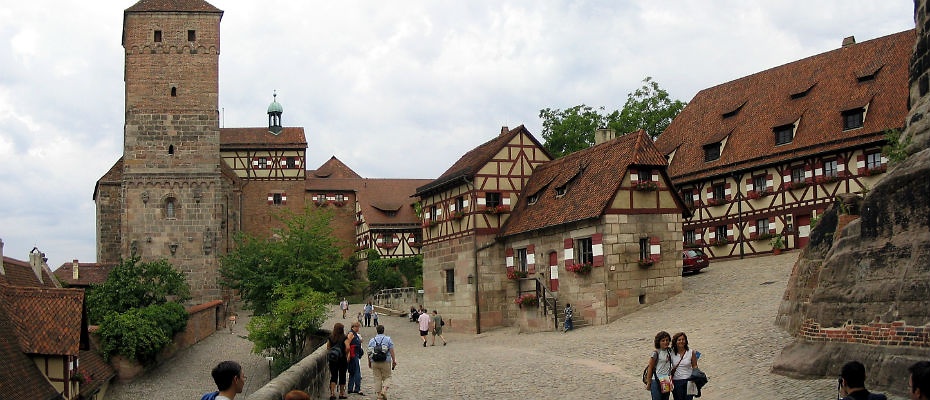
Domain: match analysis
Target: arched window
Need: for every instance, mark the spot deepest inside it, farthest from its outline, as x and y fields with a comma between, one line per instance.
x=169, y=207
x=170, y=149
x=174, y=91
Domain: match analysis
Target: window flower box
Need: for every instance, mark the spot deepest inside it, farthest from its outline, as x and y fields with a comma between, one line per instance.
x=581, y=269
x=493, y=210
x=339, y=203
x=646, y=262
x=387, y=245
x=826, y=179
x=716, y=202
x=881, y=169
x=692, y=245
x=719, y=242
x=752, y=195
x=429, y=224
x=458, y=215
x=794, y=185
x=763, y=236
x=527, y=299
x=646, y=186
x=514, y=274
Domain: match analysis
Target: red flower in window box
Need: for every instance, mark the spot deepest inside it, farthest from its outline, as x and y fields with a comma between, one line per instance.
x=513, y=274
x=646, y=186
x=390, y=245
x=339, y=203
x=582, y=269
x=752, y=195
x=527, y=299
x=415, y=245
x=875, y=170
x=719, y=242
x=458, y=215
x=715, y=202
x=501, y=209
x=646, y=262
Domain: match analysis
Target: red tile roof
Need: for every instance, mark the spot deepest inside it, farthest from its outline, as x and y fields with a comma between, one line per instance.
x=379, y=197
x=830, y=81
x=469, y=164
x=593, y=176
x=88, y=273
x=261, y=138
x=20, y=273
x=95, y=370
x=173, y=5
x=333, y=168
x=19, y=377
x=46, y=321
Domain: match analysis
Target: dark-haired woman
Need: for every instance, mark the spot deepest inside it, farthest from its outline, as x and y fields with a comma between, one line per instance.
x=660, y=364
x=339, y=367
x=684, y=362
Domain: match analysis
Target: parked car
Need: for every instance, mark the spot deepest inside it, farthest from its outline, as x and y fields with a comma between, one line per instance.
x=693, y=260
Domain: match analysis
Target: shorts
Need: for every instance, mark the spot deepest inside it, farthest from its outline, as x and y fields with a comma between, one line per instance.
x=437, y=331
x=423, y=333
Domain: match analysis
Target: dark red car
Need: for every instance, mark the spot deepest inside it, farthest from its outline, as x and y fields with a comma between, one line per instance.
x=693, y=260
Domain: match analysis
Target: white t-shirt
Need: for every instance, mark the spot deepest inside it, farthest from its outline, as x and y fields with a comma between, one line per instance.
x=424, y=322
x=684, y=369
x=664, y=363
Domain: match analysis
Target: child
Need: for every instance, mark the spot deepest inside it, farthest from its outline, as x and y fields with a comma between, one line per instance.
x=359, y=317
x=375, y=315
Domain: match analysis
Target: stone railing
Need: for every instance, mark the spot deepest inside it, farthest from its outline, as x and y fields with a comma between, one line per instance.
x=398, y=298
x=310, y=375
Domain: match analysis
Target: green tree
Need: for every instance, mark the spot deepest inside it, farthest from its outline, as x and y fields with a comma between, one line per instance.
x=384, y=273
x=140, y=333
x=649, y=108
x=305, y=251
x=134, y=284
x=284, y=330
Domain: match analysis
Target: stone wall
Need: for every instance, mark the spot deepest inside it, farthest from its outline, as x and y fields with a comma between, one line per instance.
x=310, y=375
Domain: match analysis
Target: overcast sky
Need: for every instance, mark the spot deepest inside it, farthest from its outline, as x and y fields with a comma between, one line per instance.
x=393, y=89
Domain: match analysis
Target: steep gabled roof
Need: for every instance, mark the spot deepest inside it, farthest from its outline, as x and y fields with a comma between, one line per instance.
x=95, y=370
x=21, y=273
x=113, y=176
x=813, y=92
x=333, y=168
x=387, y=201
x=88, y=273
x=591, y=178
x=261, y=138
x=468, y=165
x=20, y=379
x=46, y=321
x=173, y=5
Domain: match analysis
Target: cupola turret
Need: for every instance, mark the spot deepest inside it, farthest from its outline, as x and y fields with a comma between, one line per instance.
x=274, y=115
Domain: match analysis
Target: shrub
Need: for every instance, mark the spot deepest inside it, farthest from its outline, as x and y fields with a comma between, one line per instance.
x=132, y=335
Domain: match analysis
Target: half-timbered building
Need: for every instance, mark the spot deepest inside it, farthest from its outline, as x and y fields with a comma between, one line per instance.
x=757, y=159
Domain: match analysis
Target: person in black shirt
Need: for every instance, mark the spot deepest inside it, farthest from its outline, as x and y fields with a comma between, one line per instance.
x=852, y=383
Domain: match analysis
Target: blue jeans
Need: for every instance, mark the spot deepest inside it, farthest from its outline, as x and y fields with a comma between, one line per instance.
x=569, y=325
x=355, y=376
x=656, y=392
x=680, y=392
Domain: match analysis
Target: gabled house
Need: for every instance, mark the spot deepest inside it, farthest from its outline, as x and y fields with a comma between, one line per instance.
x=82, y=275
x=763, y=156
x=386, y=218
x=598, y=228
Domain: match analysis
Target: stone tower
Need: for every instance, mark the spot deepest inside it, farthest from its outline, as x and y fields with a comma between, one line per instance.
x=173, y=194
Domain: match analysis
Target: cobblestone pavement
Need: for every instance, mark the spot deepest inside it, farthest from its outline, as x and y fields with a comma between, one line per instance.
x=727, y=311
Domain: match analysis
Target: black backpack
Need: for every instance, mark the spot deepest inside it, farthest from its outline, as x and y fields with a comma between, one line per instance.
x=334, y=354
x=379, y=352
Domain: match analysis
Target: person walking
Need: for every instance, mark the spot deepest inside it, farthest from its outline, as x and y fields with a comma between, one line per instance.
x=344, y=305
x=368, y=309
x=660, y=366
x=229, y=381
x=423, y=325
x=381, y=346
x=569, y=312
x=684, y=361
x=436, y=324
x=339, y=364
x=355, y=353
x=374, y=316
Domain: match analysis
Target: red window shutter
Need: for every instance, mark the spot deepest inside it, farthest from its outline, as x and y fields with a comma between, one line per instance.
x=807, y=168
x=597, y=239
x=270, y=198
x=634, y=175
x=569, y=244
x=727, y=186
x=729, y=229
x=655, y=240
x=772, y=224
x=531, y=268
x=860, y=159
x=508, y=253
x=283, y=198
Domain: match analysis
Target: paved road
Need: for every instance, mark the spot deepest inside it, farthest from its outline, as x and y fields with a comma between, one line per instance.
x=728, y=312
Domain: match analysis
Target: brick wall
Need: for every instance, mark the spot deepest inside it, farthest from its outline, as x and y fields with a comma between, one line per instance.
x=874, y=333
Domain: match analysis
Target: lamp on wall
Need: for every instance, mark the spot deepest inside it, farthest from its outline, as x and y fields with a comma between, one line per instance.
x=471, y=279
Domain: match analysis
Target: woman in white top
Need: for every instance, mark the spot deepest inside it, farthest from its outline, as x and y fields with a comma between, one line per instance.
x=660, y=364
x=683, y=362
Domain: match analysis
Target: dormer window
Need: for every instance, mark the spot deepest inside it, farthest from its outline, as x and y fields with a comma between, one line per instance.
x=784, y=134
x=733, y=111
x=532, y=199
x=853, y=119
x=560, y=191
x=711, y=152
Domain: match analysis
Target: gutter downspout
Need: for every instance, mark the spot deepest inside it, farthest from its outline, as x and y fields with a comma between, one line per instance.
x=474, y=240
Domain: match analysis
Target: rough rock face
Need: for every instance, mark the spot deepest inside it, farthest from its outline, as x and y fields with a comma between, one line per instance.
x=862, y=292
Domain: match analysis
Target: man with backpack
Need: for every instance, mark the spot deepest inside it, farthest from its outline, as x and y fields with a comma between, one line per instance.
x=229, y=381
x=381, y=360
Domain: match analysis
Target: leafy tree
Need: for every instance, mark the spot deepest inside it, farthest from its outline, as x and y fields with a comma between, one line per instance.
x=896, y=148
x=284, y=330
x=384, y=273
x=649, y=108
x=305, y=251
x=134, y=284
x=140, y=333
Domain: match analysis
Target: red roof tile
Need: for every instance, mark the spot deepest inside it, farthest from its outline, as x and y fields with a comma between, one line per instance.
x=378, y=198
x=593, y=176
x=20, y=273
x=261, y=138
x=20, y=379
x=95, y=370
x=333, y=168
x=173, y=5
x=47, y=321
x=88, y=273
x=831, y=85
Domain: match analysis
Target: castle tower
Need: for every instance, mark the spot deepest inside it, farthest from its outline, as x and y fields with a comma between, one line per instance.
x=173, y=192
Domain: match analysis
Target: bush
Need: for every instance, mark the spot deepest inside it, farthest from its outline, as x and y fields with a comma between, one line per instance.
x=132, y=335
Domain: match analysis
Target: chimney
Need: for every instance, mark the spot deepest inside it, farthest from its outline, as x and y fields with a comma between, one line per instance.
x=74, y=270
x=36, y=260
x=2, y=271
x=849, y=41
x=504, y=130
x=602, y=135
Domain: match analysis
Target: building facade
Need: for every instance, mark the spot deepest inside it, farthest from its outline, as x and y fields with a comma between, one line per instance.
x=758, y=159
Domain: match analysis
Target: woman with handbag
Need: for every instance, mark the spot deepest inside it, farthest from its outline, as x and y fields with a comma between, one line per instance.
x=684, y=361
x=657, y=376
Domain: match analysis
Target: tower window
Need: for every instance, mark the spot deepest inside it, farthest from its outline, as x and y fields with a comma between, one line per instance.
x=157, y=37
x=174, y=91
x=170, y=208
x=191, y=35
x=277, y=199
x=170, y=149
x=290, y=162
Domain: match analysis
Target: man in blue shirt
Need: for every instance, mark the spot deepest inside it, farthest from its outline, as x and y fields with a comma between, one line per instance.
x=381, y=369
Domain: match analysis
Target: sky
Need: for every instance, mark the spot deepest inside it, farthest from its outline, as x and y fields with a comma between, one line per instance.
x=393, y=89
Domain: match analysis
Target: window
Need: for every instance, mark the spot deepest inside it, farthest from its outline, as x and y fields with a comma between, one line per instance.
x=797, y=175
x=532, y=199
x=720, y=232
x=191, y=35
x=174, y=91
x=829, y=169
x=560, y=191
x=873, y=160
x=460, y=204
x=290, y=162
x=690, y=237
x=758, y=183
x=644, y=176
x=157, y=37
x=262, y=163
x=584, y=251
x=432, y=213
x=170, y=149
x=170, y=207
x=450, y=281
x=276, y=199
x=762, y=226
x=784, y=134
x=720, y=192
x=711, y=152
x=520, y=260
x=340, y=198
x=492, y=199
x=853, y=119
x=644, y=253
x=687, y=196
